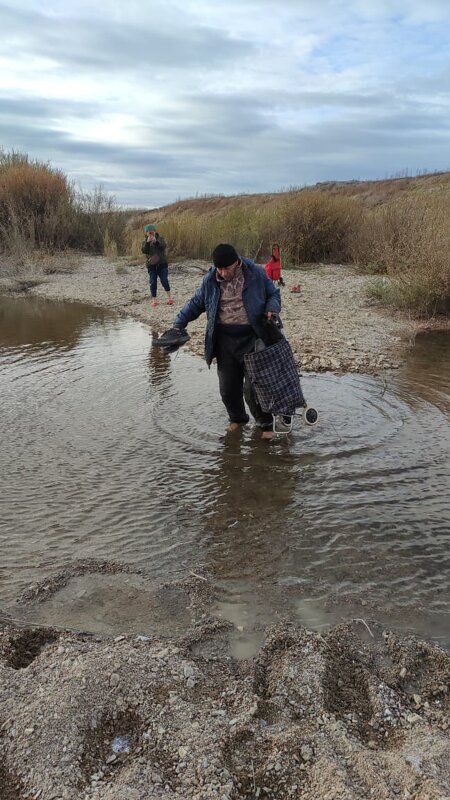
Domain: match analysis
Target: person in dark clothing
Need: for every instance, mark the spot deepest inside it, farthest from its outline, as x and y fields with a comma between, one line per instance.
x=154, y=247
x=234, y=293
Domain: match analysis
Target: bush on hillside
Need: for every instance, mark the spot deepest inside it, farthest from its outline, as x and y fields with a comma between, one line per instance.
x=97, y=225
x=408, y=240
x=40, y=210
x=35, y=204
x=310, y=226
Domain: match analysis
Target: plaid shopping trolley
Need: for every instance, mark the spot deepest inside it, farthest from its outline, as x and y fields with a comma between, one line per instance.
x=274, y=376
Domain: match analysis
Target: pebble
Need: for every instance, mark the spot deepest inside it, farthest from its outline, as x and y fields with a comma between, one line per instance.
x=188, y=670
x=306, y=752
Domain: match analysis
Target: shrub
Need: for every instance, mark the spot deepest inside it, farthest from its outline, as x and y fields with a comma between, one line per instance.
x=40, y=210
x=98, y=225
x=409, y=241
x=310, y=226
x=35, y=204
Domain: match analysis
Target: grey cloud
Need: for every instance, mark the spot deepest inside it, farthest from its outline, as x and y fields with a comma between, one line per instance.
x=213, y=142
x=216, y=125
x=44, y=109
x=233, y=126
x=236, y=152
x=105, y=46
x=105, y=158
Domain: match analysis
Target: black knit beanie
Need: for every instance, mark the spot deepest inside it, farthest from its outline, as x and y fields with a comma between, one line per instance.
x=224, y=255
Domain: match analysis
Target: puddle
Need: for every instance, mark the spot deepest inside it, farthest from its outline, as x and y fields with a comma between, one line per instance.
x=111, y=605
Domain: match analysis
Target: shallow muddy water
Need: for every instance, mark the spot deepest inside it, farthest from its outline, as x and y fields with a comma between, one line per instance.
x=113, y=450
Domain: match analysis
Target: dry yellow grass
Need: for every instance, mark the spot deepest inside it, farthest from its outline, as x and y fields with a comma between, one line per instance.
x=397, y=227
x=40, y=210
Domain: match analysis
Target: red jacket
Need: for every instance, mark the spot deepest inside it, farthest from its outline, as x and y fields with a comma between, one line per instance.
x=273, y=267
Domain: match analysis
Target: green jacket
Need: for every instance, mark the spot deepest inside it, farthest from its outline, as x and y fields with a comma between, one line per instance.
x=155, y=252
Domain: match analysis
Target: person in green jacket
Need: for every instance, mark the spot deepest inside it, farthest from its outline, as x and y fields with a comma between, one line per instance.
x=154, y=248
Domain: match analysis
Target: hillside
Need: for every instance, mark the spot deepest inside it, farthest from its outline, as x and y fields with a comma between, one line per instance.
x=371, y=193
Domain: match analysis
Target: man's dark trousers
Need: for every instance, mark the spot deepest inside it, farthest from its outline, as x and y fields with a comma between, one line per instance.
x=232, y=342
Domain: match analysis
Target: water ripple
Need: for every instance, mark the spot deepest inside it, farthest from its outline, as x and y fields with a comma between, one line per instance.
x=112, y=449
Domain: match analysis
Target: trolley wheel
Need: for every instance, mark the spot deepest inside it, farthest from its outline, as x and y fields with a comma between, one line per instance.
x=311, y=415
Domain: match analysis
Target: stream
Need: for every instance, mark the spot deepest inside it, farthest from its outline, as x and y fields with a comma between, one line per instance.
x=114, y=450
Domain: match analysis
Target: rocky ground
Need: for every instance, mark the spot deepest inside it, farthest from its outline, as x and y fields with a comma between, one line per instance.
x=356, y=713
x=331, y=323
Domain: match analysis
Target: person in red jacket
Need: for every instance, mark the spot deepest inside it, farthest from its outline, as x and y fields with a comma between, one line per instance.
x=273, y=267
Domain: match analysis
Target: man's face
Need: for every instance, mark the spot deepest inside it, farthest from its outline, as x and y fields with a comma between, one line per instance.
x=228, y=273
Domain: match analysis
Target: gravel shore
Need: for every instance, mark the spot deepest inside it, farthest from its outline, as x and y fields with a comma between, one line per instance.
x=355, y=713
x=331, y=323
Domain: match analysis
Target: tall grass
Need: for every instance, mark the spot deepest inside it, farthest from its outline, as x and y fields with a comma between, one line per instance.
x=408, y=240
x=399, y=230
x=35, y=204
x=40, y=210
x=308, y=226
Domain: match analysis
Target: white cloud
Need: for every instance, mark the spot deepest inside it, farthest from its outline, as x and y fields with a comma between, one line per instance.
x=158, y=101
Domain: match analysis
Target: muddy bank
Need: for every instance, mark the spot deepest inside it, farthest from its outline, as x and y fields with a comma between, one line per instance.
x=355, y=712
x=331, y=323
x=337, y=716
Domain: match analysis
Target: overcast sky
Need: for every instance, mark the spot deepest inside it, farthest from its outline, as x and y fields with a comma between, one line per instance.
x=163, y=100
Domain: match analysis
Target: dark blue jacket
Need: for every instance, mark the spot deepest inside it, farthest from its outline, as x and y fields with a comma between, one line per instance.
x=259, y=295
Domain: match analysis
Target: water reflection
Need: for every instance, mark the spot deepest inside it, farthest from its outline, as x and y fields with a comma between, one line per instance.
x=253, y=491
x=159, y=363
x=426, y=374
x=247, y=534
x=35, y=321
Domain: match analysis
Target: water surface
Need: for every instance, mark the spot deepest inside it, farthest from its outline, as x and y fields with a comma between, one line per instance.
x=112, y=449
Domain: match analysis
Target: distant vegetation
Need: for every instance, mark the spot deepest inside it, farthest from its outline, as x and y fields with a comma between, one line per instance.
x=396, y=230
x=40, y=210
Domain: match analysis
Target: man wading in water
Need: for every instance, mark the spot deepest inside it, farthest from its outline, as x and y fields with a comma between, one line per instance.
x=234, y=293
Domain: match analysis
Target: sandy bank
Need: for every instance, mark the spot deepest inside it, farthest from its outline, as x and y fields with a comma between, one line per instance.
x=331, y=323
x=350, y=714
